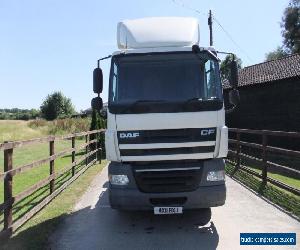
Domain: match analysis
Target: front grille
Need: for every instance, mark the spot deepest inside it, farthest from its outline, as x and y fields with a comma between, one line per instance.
x=168, y=180
x=167, y=135
x=167, y=151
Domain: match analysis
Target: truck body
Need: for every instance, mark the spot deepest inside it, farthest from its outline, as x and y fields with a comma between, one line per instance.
x=166, y=136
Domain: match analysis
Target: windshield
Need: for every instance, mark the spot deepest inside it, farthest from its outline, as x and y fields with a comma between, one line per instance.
x=170, y=78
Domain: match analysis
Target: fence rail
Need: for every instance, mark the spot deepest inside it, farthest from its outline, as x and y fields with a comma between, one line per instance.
x=235, y=155
x=91, y=155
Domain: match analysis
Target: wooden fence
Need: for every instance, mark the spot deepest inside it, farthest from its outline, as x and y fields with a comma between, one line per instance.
x=235, y=155
x=92, y=153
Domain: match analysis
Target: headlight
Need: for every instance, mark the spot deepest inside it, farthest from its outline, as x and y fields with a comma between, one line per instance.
x=216, y=175
x=118, y=179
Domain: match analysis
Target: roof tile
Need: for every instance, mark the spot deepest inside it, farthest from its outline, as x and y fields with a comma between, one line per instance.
x=274, y=70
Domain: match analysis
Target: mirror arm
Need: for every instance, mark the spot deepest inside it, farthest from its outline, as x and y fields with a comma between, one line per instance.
x=196, y=49
x=226, y=53
x=103, y=58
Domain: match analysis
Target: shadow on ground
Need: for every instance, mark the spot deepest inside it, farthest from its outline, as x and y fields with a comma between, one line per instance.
x=100, y=227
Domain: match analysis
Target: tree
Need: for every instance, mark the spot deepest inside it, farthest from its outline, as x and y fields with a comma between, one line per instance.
x=276, y=54
x=19, y=114
x=34, y=113
x=290, y=32
x=95, y=123
x=98, y=122
x=57, y=105
x=225, y=67
x=291, y=27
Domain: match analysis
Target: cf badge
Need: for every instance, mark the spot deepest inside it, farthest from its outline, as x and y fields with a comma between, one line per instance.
x=209, y=131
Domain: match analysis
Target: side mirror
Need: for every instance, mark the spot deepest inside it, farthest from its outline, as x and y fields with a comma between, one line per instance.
x=97, y=103
x=97, y=81
x=234, y=78
x=234, y=97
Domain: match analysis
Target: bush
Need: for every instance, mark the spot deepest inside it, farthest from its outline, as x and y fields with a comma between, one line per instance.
x=37, y=123
x=19, y=114
x=98, y=123
x=69, y=125
x=62, y=126
x=56, y=106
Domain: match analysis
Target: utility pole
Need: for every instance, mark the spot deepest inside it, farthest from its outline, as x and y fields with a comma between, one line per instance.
x=210, y=28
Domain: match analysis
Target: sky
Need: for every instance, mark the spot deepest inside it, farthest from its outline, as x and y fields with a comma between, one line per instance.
x=53, y=45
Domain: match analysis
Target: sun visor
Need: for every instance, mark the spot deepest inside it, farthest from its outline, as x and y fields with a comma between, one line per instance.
x=158, y=32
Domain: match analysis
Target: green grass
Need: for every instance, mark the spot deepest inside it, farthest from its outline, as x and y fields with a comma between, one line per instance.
x=32, y=153
x=14, y=130
x=25, y=180
x=19, y=130
x=293, y=182
x=35, y=233
x=283, y=198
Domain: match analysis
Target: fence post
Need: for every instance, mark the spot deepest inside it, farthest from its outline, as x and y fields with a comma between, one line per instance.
x=86, y=150
x=73, y=155
x=8, y=187
x=98, y=144
x=52, y=170
x=238, y=151
x=264, y=159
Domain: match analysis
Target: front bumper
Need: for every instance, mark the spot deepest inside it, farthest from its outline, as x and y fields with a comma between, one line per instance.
x=130, y=197
x=133, y=199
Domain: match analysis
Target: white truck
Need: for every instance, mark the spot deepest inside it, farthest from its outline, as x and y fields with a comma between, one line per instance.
x=166, y=136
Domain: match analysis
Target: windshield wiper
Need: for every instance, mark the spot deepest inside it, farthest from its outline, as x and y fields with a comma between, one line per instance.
x=199, y=99
x=139, y=102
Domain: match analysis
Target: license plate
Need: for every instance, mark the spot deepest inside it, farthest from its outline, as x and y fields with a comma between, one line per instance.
x=167, y=210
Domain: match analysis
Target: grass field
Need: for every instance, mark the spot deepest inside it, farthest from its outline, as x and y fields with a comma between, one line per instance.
x=25, y=180
x=293, y=182
x=12, y=130
x=32, y=153
x=20, y=130
x=287, y=180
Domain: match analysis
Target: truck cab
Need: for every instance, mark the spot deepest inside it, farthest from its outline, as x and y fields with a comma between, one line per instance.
x=166, y=136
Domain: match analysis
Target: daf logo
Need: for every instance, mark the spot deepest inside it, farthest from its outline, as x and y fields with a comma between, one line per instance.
x=207, y=131
x=129, y=135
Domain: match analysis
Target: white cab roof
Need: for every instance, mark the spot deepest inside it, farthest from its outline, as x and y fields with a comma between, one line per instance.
x=155, y=32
